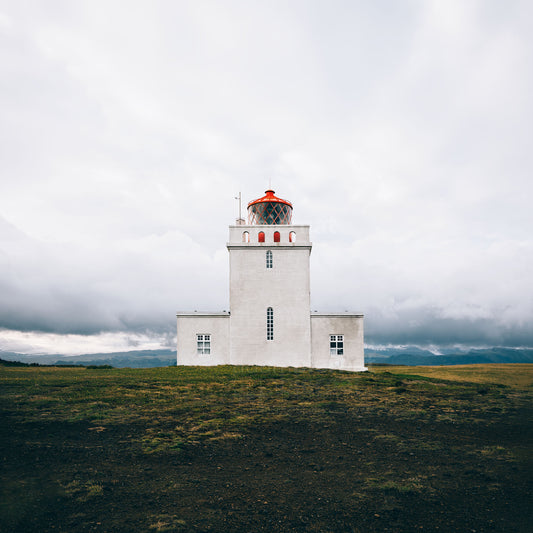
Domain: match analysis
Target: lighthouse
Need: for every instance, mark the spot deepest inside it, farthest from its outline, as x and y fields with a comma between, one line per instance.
x=270, y=322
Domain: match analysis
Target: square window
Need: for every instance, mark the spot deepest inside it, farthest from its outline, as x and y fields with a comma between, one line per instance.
x=203, y=343
x=336, y=344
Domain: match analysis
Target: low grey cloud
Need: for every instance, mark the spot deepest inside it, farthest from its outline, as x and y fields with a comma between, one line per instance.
x=129, y=285
x=400, y=132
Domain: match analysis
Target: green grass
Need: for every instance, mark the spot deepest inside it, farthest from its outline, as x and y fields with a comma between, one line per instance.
x=378, y=441
x=513, y=375
x=216, y=403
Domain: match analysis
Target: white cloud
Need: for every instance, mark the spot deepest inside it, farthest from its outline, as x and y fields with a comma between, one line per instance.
x=402, y=135
x=52, y=343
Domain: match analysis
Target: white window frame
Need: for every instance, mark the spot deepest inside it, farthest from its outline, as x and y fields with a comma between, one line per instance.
x=203, y=343
x=270, y=324
x=269, y=261
x=336, y=344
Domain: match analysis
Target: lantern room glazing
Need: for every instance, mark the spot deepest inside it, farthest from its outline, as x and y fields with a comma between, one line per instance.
x=269, y=210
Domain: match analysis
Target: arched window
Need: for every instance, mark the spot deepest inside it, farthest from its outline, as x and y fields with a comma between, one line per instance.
x=245, y=237
x=277, y=236
x=270, y=324
x=292, y=236
x=261, y=236
x=269, y=259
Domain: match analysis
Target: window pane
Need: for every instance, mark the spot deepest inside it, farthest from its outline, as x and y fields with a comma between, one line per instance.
x=336, y=344
x=269, y=259
x=203, y=343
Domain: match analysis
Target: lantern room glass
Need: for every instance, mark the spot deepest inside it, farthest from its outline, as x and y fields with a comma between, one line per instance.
x=269, y=210
x=269, y=213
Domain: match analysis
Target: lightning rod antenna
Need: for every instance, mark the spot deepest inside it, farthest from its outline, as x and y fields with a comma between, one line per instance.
x=239, y=220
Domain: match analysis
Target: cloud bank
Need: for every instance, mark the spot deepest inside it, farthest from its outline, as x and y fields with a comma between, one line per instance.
x=400, y=131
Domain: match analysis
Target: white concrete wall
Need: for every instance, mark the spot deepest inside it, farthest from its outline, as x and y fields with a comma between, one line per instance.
x=348, y=324
x=300, y=338
x=215, y=324
x=285, y=288
x=301, y=233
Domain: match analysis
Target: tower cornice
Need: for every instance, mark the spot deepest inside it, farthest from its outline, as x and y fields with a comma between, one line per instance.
x=268, y=245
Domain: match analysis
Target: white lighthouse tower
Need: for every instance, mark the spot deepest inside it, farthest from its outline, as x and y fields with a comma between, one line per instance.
x=269, y=322
x=269, y=287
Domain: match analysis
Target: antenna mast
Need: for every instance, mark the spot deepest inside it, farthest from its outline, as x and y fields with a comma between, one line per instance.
x=240, y=221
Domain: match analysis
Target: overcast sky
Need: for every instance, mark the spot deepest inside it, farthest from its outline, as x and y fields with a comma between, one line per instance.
x=401, y=131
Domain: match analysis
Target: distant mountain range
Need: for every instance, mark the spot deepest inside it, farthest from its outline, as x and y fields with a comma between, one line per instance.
x=417, y=357
x=133, y=359
x=391, y=356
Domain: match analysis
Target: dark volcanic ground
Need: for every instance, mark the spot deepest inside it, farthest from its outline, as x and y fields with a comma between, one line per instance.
x=287, y=476
x=259, y=449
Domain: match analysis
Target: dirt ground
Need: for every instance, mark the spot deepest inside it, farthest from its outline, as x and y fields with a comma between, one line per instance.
x=354, y=468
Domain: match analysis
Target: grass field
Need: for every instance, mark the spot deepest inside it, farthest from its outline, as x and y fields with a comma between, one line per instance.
x=266, y=449
x=518, y=376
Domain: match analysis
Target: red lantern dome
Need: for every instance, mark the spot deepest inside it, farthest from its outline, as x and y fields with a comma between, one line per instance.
x=269, y=210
